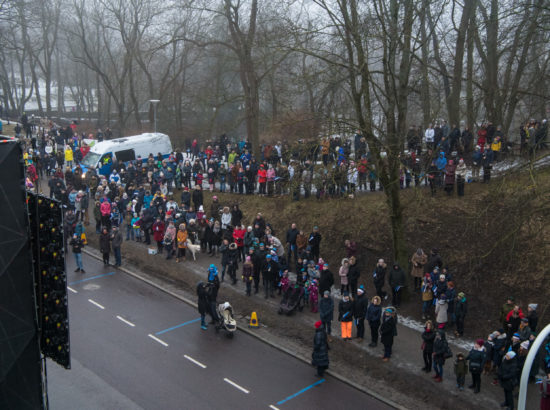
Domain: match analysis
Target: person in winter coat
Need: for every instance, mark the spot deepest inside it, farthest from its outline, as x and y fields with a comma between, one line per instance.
x=374, y=313
x=326, y=280
x=203, y=303
x=248, y=270
x=270, y=268
x=507, y=376
x=353, y=276
x=461, y=370
x=450, y=171
x=326, y=311
x=428, y=337
x=388, y=330
x=379, y=277
x=105, y=245
x=477, y=359
x=343, y=273
x=532, y=316
x=360, y=305
x=77, y=245
x=441, y=312
x=427, y=295
x=314, y=241
x=433, y=261
x=461, y=171
x=461, y=309
x=181, y=242
x=116, y=243
x=440, y=349
x=397, y=282
x=418, y=261
x=345, y=316
x=319, y=357
x=158, y=234
x=169, y=241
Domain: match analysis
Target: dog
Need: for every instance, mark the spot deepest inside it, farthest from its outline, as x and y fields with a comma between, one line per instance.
x=193, y=248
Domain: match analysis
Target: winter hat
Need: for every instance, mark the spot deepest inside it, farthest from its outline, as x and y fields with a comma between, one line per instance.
x=318, y=324
x=360, y=291
x=268, y=256
x=390, y=309
x=346, y=293
x=441, y=277
x=511, y=354
x=524, y=320
x=533, y=306
x=248, y=258
x=524, y=345
x=326, y=293
x=480, y=342
x=516, y=336
x=201, y=208
x=215, y=198
x=325, y=265
x=461, y=295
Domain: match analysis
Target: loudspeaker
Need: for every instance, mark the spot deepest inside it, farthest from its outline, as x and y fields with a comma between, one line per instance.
x=20, y=360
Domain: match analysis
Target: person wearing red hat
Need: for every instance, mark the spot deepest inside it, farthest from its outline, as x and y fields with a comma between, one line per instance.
x=477, y=358
x=319, y=357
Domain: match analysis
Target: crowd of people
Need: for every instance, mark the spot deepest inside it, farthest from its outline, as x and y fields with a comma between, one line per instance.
x=138, y=201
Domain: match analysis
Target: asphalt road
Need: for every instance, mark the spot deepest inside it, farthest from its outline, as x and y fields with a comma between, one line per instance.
x=134, y=346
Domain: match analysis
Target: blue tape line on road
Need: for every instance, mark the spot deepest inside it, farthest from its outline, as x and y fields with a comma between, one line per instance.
x=175, y=327
x=91, y=278
x=300, y=392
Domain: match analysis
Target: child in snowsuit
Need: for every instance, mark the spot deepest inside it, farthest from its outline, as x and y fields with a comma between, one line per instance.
x=285, y=282
x=313, y=295
x=461, y=370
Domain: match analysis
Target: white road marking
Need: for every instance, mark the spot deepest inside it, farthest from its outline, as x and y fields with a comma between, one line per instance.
x=194, y=361
x=271, y=406
x=125, y=321
x=236, y=385
x=71, y=289
x=158, y=340
x=93, y=302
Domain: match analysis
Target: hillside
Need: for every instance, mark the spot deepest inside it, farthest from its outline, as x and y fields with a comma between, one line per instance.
x=495, y=240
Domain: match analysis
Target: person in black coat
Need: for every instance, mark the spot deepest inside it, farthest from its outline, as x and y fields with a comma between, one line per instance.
x=203, y=303
x=353, y=275
x=379, y=278
x=477, y=359
x=319, y=357
x=197, y=197
x=374, y=313
x=326, y=280
x=186, y=198
x=105, y=245
x=507, y=376
x=326, y=311
x=270, y=269
x=440, y=348
x=461, y=310
x=388, y=330
x=360, y=305
x=428, y=337
x=433, y=261
x=314, y=241
x=397, y=282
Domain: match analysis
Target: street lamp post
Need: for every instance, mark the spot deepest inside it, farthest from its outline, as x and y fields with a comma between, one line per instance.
x=155, y=102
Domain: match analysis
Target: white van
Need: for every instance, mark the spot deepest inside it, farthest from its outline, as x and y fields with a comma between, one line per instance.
x=125, y=149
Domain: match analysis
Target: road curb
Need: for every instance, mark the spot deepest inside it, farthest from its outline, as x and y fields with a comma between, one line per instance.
x=252, y=333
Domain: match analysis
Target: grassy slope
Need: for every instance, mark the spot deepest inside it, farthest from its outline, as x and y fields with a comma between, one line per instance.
x=495, y=240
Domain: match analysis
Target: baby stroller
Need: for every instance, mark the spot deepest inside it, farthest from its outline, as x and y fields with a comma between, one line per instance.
x=292, y=299
x=226, y=320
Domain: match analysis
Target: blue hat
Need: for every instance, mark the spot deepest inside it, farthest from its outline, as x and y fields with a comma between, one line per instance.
x=268, y=256
x=212, y=267
x=362, y=287
x=262, y=244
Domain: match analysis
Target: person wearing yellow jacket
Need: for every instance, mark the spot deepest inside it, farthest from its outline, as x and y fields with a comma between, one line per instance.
x=182, y=242
x=69, y=156
x=496, y=147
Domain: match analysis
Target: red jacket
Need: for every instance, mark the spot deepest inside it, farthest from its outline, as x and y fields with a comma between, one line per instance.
x=158, y=231
x=262, y=175
x=238, y=236
x=509, y=315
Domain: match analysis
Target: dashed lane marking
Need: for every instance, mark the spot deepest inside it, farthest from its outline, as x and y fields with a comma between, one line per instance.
x=232, y=383
x=158, y=340
x=93, y=302
x=271, y=406
x=194, y=361
x=125, y=321
x=71, y=289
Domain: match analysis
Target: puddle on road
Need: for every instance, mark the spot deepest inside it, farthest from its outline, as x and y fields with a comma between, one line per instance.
x=91, y=287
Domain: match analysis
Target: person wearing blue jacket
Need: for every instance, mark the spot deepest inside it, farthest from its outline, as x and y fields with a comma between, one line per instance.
x=440, y=163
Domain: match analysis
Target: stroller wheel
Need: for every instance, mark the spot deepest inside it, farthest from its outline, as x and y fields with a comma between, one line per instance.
x=230, y=335
x=300, y=308
x=280, y=311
